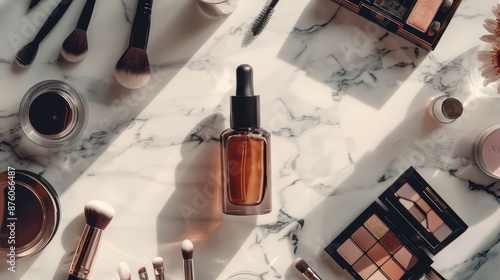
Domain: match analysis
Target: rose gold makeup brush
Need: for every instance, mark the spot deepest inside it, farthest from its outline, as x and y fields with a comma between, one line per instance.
x=132, y=69
x=124, y=271
x=305, y=269
x=187, y=249
x=159, y=269
x=75, y=46
x=98, y=215
x=143, y=274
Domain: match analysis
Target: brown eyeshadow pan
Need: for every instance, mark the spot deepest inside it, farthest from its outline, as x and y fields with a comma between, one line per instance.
x=423, y=205
x=378, y=254
x=365, y=267
x=376, y=226
x=391, y=242
x=378, y=276
x=405, y=258
x=392, y=269
x=416, y=213
x=442, y=232
x=407, y=192
x=433, y=221
x=364, y=238
x=350, y=251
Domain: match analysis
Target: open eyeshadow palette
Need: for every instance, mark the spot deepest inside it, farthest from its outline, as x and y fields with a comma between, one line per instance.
x=394, y=240
x=422, y=22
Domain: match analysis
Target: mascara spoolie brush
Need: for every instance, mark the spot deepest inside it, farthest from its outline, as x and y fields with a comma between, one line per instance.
x=132, y=69
x=265, y=15
x=75, y=46
x=26, y=55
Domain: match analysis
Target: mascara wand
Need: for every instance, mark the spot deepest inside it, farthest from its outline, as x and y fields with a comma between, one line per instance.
x=261, y=21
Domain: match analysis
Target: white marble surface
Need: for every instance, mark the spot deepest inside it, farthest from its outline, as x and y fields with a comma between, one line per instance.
x=344, y=126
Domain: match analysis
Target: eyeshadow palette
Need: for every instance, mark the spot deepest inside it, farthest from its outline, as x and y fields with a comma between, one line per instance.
x=393, y=240
x=422, y=22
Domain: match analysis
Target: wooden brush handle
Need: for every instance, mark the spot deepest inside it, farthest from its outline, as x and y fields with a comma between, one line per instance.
x=52, y=20
x=84, y=20
x=139, y=34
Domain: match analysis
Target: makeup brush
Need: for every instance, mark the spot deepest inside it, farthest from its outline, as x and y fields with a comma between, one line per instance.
x=124, y=271
x=265, y=15
x=26, y=55
x=187, y=249
x=159, y=269
x=75, y=47
x=98, y=215
x=132, y=69
x=33, y=3
x=305, y=269
x=143, y=274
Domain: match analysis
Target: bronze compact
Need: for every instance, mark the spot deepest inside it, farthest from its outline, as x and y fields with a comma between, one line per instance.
x=29, y=213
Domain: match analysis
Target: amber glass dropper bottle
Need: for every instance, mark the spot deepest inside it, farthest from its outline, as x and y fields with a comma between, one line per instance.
x=245, y=151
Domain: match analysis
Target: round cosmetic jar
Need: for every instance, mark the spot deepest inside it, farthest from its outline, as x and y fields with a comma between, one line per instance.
x=218, y=7
x=445, y=109
x=30, y=214
x=53, y=114
x=487, y=151
x=244, y=275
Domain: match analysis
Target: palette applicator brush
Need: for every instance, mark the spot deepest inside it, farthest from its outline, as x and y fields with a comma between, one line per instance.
x=159, y=268
x=26, y=55
x=124, y=271
x=75, y=46
x=98, y=215
x=265, y=15
x=187, y=249
x=132, y=69
x=306, y=271
x=143, y=274
x=33, y=3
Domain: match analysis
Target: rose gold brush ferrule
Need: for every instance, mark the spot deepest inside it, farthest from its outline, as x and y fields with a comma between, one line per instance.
x=160, y=273
x=188, y=270
x=86, y=252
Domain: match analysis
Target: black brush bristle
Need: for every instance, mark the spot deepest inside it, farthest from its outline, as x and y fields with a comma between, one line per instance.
x=26, y=55
x=132, y=69
x=301, y=265
x=261, y=21
x=75, y=46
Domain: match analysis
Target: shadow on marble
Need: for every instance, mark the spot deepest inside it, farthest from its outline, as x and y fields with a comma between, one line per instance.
x=438, y=152
x=350, y=54
x=193, y=210
x=70, y=237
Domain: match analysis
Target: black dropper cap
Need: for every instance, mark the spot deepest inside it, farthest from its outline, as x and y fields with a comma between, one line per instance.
x=245, y=109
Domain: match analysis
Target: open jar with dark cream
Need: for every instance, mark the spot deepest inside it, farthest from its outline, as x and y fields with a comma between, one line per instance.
x=53, y=114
